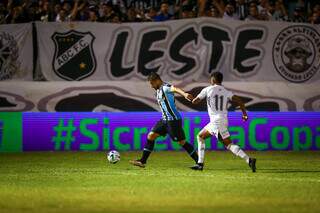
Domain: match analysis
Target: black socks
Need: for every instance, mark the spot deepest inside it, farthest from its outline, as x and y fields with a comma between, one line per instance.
x=148, y=148
x=192, y=152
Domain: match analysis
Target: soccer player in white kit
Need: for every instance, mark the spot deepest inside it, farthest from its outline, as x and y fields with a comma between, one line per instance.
x=217, y=99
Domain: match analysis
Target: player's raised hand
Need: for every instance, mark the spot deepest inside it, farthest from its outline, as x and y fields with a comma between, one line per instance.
x=244, y=117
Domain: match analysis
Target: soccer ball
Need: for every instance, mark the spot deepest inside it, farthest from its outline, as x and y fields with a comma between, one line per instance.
x=113, y=156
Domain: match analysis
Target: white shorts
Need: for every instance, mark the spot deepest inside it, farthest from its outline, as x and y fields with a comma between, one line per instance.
x=219, y=127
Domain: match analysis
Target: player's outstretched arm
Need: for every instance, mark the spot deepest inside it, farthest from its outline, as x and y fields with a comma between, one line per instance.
x=200, y=96
x=186, y=95
x=196, y=100
x=238, y=101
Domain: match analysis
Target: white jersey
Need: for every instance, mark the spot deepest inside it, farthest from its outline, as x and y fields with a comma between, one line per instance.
x=217, y=99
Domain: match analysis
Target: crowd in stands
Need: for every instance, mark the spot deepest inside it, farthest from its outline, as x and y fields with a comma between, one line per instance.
x=119, y=11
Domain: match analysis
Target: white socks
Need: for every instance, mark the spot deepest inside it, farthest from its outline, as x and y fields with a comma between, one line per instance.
x=201, y=149
x=235, y=149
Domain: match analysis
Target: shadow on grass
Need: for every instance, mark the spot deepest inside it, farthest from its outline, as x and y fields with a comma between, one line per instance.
x=287, y=171
x=266, y=170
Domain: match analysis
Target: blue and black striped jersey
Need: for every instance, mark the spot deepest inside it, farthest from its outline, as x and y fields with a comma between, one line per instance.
x=166, y=101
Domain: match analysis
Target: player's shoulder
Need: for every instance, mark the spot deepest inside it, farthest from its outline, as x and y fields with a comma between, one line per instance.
x=210, y=87
x=220, y=88
x=226, y=91
x=166, y=87
x=166, y=84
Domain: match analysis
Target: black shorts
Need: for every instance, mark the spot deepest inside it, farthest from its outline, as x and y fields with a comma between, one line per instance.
x=173, y=128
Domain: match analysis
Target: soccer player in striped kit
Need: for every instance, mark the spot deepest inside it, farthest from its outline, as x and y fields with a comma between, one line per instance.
x=170, y=123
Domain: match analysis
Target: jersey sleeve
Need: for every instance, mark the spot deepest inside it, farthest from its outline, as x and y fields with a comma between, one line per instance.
x=167, y=88
x=229, y=94
x=203, y=94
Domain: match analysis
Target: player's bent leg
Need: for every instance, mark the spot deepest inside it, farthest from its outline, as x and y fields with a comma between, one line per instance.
x=236, y=150
x=226, y=141
x=148, y=148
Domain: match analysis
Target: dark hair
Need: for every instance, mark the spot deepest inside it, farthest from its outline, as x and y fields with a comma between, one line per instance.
x=153, y=76
x=164, y=2
x=218, y=77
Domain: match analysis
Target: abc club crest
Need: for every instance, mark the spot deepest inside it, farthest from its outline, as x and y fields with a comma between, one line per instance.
x=296, y=53
x=74, y=57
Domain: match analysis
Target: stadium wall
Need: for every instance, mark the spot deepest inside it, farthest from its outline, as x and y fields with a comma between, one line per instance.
x=128, y=96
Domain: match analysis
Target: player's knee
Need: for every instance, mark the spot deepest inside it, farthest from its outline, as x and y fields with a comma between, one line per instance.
x=200, y=137
x=152, y=136
x=181, y=142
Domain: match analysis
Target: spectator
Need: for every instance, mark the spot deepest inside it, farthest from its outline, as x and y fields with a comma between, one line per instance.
x=253, y=14
x=278, y=11
x=56, y=11
x=219, y=5
x=315, y=18
x=82, y=12
x=107, y=12
x=263, y=9
x=45, y=13
x=229, y=13
x=298, y=15
x=151, y=14
x=115, y=19
x=132, y=15
x=62, y=16
x=263, y=6
x=93, y=15
x=214, y=12
x=65, y=12
x=315, y=12
x=67, y=7
x=164, y=14
x=253, y=3
x=241, y=9
x=186, y=12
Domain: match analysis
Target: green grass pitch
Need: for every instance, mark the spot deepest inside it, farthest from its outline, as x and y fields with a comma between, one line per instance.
x=85, y=182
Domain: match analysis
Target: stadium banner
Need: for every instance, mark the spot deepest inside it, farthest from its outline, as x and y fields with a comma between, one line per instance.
x=16, y=52
x=10, y=132
x=128, y=131
x=127, y=96
x=187, y=50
